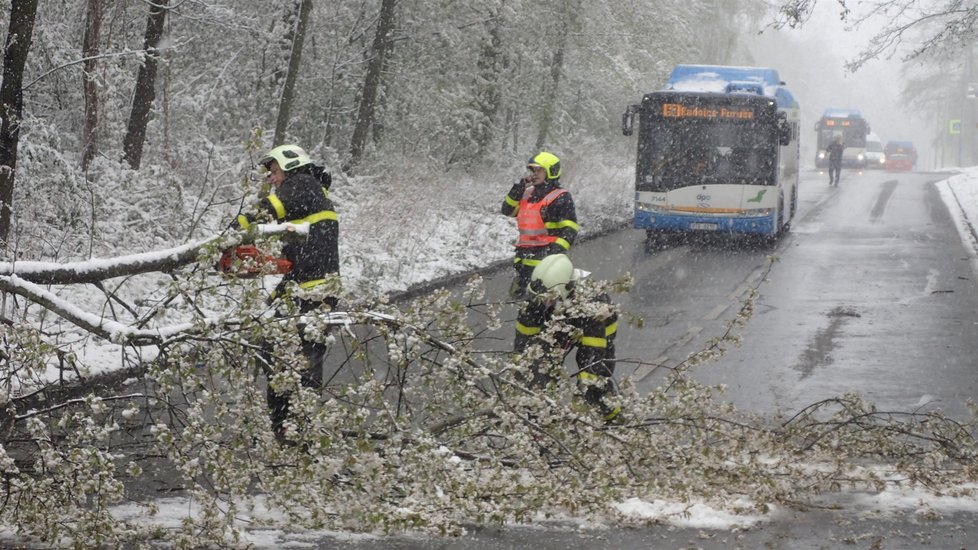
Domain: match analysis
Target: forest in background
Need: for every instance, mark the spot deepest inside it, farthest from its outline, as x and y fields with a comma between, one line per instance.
x=141, y=121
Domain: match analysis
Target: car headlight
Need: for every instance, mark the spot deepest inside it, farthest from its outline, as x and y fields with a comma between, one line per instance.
x=860, y=156
x=821, y=154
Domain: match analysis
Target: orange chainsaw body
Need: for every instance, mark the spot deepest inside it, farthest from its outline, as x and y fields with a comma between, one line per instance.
x=247, y=261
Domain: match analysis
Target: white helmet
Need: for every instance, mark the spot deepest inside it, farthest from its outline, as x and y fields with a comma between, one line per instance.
x=288, y=157
x=553, y=273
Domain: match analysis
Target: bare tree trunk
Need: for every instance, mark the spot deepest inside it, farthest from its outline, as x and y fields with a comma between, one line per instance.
x=378, y=127
x=371, y=84
x=18, y=45
x=551, y=88
x=90, y=50
x=489, y=96
x=568, y=21
x=145, y=92
x=288, y=90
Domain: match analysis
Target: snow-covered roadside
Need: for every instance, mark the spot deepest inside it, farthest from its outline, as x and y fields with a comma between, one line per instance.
x=960, y=192
x=389, y=242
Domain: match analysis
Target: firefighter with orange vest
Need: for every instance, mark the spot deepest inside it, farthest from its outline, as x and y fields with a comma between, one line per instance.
x=545, y=217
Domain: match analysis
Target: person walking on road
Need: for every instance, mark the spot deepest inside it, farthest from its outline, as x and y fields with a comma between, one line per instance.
x=587, y=320
x=300, y=194
x=545, y=216
x=834, y=153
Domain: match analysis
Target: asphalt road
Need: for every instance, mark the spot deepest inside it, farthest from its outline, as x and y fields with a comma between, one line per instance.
x=872, y=292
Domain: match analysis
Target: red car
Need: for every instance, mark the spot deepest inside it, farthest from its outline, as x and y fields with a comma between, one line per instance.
x=899, y=162
x=900, y=155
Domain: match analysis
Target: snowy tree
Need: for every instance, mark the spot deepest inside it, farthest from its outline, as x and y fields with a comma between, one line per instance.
x=145, y=92
x=943, y=26
x=16, y=48
x=295, y=57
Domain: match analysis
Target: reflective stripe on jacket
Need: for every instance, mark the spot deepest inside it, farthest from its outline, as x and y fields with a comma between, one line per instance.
x=303, y=198
x=529, y=220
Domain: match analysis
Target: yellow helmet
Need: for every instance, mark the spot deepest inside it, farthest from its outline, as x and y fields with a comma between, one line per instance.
x=549, y=162
x=288, y=157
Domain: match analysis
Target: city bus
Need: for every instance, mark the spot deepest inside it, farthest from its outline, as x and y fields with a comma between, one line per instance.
x=848, y=123
x=717, y=153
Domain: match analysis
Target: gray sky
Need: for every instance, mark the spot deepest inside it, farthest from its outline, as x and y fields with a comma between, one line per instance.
x=811, y=60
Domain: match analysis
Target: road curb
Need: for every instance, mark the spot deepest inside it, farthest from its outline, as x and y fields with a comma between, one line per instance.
x=448, y=280
x=964, y=214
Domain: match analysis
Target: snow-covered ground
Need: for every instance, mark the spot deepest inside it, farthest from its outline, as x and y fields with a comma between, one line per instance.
x=960, y=193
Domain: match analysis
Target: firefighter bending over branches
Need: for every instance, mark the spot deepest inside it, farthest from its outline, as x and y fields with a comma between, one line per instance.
x=559, y=316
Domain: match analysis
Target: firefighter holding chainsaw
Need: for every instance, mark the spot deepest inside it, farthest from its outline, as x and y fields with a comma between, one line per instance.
x=300, y=194
x=545, y=217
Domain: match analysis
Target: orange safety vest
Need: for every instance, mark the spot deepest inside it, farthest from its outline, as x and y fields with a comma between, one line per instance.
x=529, y=220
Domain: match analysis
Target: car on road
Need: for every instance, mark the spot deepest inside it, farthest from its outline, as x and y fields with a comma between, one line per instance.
x=875, y=159
x=900, y=155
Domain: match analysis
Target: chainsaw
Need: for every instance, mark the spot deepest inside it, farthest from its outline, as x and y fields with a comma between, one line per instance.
x=246, y=261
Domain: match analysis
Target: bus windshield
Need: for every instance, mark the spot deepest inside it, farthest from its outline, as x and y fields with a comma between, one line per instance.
x=684, y=152
x=853, y=132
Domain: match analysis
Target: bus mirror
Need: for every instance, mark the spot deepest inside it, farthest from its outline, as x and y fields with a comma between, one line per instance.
x=628, y=121
x=784, y=129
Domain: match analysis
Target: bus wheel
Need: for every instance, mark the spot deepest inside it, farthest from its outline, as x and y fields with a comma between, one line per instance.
x=771, y=239
x=779, y=225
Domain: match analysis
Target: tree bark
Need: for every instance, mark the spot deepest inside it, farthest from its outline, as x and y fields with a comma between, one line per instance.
x=90, y=51
x=145, y=92
x=19, y=36
x=551, y=88
x=548, y=109
x=100, y=269
x=371, y=84
x=95, y=270
x=488, y=93
x=295, y=58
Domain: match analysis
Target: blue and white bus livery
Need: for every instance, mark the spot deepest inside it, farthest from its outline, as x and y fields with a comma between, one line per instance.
x=717, y=152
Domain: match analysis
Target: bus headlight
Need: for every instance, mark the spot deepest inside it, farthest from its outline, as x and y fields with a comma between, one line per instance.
x=648, y=207
x=758, y=213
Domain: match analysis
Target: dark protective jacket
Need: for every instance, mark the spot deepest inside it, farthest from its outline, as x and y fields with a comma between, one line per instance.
x=303, y=197
x=560, y=217
x=594, y=334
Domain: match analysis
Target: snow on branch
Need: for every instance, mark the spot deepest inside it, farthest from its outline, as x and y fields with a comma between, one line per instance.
x=99, y=269
x=24, y=278
x=104, y=328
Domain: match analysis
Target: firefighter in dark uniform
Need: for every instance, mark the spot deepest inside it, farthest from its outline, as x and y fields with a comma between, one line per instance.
x=300, y=194
x=586, y=320
x=545, y=217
